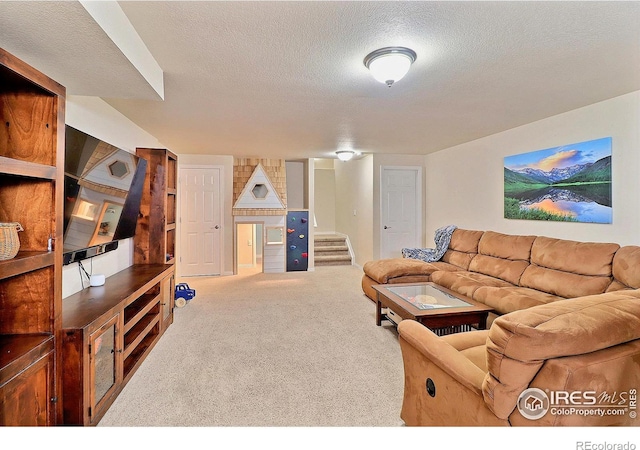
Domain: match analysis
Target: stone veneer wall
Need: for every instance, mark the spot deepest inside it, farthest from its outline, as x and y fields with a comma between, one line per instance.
x=276, y=171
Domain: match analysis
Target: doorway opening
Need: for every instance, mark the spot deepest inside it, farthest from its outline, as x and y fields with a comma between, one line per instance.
x=249, y=248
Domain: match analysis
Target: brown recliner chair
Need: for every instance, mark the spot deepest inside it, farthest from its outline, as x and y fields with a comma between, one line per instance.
x=573, y=362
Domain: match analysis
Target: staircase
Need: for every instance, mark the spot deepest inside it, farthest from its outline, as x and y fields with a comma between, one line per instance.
x=331, y=250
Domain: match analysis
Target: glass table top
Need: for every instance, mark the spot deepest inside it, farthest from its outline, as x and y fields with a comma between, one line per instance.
x=427, y=297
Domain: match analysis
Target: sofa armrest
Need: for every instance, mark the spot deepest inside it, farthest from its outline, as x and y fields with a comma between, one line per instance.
x=442, y=387
x=443, y=354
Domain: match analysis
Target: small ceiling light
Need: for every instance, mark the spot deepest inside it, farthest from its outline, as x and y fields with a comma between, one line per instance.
x=345, y=155
x=390, y=64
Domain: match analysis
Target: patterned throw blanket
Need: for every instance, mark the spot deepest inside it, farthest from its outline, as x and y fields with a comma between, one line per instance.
x=442, y=239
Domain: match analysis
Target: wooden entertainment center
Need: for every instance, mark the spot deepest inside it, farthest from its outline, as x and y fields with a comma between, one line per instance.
x=107, y=332
x=65, y=361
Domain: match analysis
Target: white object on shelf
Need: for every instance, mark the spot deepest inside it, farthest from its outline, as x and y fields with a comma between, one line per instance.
x=96, y=280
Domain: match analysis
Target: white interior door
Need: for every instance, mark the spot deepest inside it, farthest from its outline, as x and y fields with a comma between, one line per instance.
x=200, y=221
x=401, y=209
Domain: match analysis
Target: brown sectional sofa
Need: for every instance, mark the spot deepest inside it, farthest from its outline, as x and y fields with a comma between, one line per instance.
x=513, y=272
x=567, y=320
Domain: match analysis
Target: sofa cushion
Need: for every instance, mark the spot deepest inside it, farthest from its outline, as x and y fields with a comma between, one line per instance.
x=585, y=258
x=519, y=343
x=465, y=241
x=563, y=284
x=504, y=269
x=458, y=259
x=466, y=283
x=462, y=248
x=569, y=268
x=506, y=246
x=383, y=270
x=508, y=299
x=626, y=269
x=472, y=345
x=502, y=256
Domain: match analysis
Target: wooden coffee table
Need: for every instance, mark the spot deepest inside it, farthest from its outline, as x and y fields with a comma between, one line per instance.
x=439, y=309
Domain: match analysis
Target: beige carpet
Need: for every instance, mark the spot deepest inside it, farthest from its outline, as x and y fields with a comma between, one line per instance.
x=293, y=349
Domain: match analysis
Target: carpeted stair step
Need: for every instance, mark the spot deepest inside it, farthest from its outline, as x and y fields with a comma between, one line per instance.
x=329, y=241
x=331, y=250
x=333, y=260
x=328, y=250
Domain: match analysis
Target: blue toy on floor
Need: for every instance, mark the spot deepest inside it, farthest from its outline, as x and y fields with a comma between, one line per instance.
x=183, y=294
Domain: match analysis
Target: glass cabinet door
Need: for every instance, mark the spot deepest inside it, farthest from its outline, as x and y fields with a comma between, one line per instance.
x=103, y=362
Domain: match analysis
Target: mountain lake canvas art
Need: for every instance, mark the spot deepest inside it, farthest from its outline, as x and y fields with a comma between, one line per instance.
x=567, y=183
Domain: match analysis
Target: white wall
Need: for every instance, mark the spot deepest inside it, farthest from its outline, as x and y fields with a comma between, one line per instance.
x=325, y=196
x=354, y=205
x=98, y=119
x=296, y=192
x=464, y=184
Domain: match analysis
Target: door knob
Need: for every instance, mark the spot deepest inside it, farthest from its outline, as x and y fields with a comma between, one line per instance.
x=385, y=227
x=216, y=227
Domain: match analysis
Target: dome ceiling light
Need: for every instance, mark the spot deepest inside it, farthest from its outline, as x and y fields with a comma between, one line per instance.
x=345, y=155
x=390, y=64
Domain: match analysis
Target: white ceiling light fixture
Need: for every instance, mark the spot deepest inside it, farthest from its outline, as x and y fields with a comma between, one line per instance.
x=390, y=64
x=345, y=155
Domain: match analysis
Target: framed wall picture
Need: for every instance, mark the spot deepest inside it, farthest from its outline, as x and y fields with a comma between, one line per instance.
x=568, y=183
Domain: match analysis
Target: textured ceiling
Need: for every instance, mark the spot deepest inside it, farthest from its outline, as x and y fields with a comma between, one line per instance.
x=286, y=79
x=63, y=41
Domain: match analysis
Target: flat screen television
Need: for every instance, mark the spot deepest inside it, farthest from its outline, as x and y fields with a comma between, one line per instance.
x=102, y=191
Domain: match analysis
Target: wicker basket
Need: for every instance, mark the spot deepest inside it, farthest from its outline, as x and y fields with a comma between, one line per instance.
x=9, y=242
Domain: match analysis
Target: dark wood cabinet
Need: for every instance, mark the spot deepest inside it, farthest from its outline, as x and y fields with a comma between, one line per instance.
x=27, y=383
x=32, y=134
x=108, y=332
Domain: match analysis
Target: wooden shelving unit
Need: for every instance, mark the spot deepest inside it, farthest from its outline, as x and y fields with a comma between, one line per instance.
x=31, y=192
x=155, y=240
